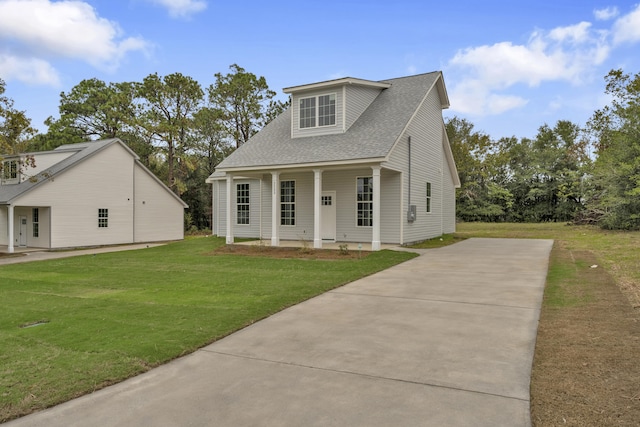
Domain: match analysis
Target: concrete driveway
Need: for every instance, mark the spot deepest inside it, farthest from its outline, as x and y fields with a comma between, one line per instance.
x=445, y=339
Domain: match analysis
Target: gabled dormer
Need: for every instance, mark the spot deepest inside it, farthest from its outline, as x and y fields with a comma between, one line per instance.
x=330, y=107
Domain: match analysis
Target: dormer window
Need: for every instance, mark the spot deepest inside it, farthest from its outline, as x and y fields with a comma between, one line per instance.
x=10, y=172
x=323, y=115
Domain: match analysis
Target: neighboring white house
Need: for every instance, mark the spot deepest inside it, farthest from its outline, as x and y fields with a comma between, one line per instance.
x=87, y=194
x=350, y=160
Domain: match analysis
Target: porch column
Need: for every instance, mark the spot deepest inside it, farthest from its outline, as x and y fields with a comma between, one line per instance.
x=10, y=228
x=375, y=239
x=229, y=203
x=317, y=196
x=275, y=204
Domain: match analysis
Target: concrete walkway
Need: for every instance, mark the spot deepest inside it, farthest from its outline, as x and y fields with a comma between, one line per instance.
x=44, y=254
x=445, y=339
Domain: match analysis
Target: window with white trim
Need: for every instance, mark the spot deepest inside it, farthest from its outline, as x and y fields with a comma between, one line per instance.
x=10, y=172
x=287, y=203
x=242, y=204
x=428, y=197
x=364, y=207
x=323, y=115
x=103, y=218
x=35, y=221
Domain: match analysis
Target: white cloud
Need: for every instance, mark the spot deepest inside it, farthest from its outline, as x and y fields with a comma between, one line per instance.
x=41, y=30
x=627, y=27
x=30, y=70
x=564, y=53
x=181, y=8
x=606, y=13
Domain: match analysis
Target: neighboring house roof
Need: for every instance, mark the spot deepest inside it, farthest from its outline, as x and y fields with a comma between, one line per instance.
x=84, y=150
x=371, y=137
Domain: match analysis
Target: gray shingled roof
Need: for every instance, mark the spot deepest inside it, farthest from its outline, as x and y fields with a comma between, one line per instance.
x=371, y=136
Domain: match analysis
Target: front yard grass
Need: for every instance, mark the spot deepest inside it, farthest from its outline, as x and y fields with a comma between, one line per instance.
x=75, y=325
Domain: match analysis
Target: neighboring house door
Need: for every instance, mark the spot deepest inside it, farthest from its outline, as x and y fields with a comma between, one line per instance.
x=22, y=235
x=328, y=215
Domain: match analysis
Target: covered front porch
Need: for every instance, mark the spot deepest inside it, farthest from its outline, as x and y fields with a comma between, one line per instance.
x=314, y=207
x=24, y=228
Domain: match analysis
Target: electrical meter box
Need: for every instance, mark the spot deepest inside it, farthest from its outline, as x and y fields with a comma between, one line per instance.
x=411, y=213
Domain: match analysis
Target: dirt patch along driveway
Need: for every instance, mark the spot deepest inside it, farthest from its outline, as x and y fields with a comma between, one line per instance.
x=586, y=370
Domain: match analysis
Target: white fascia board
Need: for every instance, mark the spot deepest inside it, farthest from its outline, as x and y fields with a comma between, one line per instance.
x=337, y=82
x=343, y=163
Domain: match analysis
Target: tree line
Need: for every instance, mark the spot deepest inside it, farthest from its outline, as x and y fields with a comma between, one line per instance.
x=181, y=131
x=588, y=175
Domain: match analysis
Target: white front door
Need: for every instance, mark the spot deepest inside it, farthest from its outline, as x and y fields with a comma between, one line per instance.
x=328, y=215
x=22, y=235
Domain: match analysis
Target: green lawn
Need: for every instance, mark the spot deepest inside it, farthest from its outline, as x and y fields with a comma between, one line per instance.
x=71, y=326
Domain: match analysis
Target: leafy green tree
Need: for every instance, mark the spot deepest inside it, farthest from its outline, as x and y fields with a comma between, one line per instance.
x=616, y=173
x=15, y=126
x=168, y=107
x=481, y=196
x=246, y=101
x=94, y=109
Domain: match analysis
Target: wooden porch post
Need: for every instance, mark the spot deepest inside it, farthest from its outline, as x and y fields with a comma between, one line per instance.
x=317, y=196
x=229, y=239
x=375, y=238
x=275, y=203
x=10, y=228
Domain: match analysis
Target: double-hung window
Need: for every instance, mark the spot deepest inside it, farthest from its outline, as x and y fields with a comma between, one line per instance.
x=103, y=218
x=242, y=203
x=287, y=203
x=318, y=111
x=428, y=197
x=10, y=171
x=35, y=221
x=364, y=202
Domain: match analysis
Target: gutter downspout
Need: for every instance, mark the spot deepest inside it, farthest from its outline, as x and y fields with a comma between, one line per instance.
x=409, y=169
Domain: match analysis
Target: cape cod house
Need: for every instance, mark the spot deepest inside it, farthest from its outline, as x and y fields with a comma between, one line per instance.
x=350, y=160
x=89, y=194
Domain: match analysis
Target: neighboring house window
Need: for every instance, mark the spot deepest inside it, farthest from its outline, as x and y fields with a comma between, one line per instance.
x=10, y=171
x=287, y=203
x=324, y=115
x=365, y=201
x=35, y=220
x=103, y=218
x=428, y=197
x=242, y=203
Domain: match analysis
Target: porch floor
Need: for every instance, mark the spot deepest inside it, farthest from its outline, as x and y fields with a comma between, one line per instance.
x=325, y=245
x=4, y=249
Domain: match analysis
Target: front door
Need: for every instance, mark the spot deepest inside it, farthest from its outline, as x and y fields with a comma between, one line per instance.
x=22, y=235
x=328, y=215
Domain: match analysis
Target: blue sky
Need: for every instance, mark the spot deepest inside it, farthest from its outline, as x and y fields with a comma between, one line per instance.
x=509, y=66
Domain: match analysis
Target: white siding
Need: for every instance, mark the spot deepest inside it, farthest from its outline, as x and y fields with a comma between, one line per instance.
x=296, y=132
x=46, y=160
x=253, y=228
x=42, y=241
x=303, y=230
x=158, y=214
x=449, y=200
x=266, y=206
x=104, y=180
x=4, y=238
x=427, y=160
x=358, y=99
